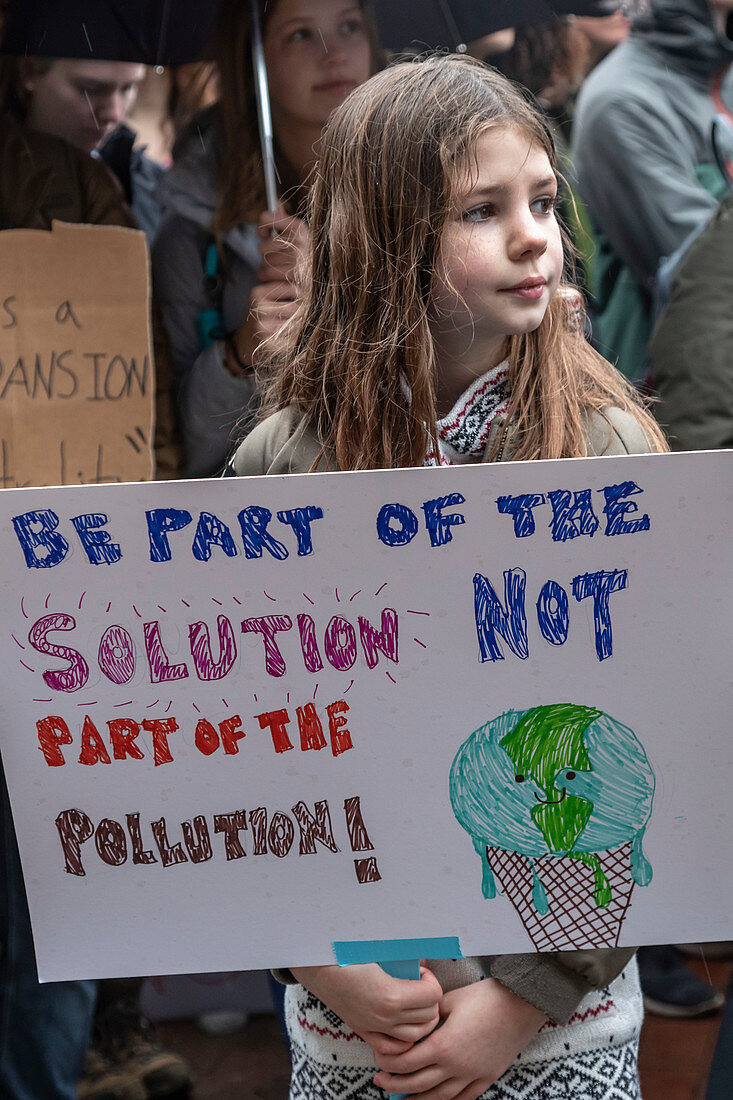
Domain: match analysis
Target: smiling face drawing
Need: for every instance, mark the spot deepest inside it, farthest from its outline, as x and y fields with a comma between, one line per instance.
x=545, y=741
x=562, y=781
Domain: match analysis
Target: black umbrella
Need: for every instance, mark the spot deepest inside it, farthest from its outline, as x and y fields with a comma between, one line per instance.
x=435, y=24
x=154, y=32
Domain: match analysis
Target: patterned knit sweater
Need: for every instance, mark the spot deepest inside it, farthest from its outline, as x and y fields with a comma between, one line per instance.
x=592, y=1057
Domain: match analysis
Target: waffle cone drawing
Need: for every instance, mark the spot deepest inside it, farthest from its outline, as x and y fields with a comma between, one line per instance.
x=573, y=919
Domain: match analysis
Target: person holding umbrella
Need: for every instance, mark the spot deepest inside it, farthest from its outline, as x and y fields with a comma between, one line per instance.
x=224, y=266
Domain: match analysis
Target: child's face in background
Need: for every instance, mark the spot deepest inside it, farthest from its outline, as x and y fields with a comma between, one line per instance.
x=317, y=51
x=501, y=256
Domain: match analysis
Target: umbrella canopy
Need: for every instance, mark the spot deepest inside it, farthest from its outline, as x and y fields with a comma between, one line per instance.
x=434, y=24
x=171, y=32
x=154, y=32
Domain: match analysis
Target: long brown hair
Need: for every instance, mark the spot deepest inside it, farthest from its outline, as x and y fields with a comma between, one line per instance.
x=241, y=178
x=384, y=189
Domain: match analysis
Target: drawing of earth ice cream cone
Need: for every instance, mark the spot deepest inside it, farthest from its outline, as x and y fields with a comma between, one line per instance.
x=556, y=800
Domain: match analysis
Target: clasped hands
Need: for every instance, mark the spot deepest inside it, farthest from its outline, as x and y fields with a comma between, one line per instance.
x=483, y=1027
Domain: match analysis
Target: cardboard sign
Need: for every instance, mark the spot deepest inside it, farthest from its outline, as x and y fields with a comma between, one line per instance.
x=245, y=719
x=76, y=367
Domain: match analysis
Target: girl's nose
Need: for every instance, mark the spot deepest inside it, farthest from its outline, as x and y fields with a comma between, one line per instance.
x=528, y=237
x=332, y=46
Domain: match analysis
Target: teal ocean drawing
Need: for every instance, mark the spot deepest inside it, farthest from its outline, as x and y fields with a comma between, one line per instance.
x=559, y=794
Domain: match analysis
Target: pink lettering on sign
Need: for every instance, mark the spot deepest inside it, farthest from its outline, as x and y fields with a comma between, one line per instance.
x=200, y=643
x=340, y=643
x=161, y=670
x=116, y=655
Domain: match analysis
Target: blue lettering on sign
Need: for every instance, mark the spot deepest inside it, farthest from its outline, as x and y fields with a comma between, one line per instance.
x=42, y=545
x=616, y=508
x=600, y=586
x=256, y=537
x=160, y=522
x=522, y=508
x=211, y=531
x=572, y=514
x=396, y=535
x=439, y=526
x=300, y=519
x=552, y=613
x=494, y=617
x=95, y=539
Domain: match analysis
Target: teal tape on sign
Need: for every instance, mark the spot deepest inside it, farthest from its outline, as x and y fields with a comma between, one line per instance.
x=349, y=952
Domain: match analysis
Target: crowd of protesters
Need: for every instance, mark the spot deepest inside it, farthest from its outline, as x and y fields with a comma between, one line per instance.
x=638, y=103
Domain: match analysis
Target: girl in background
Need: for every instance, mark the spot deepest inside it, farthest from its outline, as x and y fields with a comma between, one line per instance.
x=435, y=326
x=223, y=281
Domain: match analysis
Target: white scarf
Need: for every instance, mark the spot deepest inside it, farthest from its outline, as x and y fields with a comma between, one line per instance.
x=463, y=432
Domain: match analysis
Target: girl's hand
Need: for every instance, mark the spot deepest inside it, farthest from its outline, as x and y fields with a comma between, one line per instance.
x=283, y=242
x=390, y=1014
x=270, y=305
x=485, y=1026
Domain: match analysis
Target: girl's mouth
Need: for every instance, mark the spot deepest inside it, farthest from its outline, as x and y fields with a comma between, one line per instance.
x=336, y=87
x=530, y=289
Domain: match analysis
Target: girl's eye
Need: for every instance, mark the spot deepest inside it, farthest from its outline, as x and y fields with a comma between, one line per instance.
x=480, y=213
x=351, y=26
x=545, y=205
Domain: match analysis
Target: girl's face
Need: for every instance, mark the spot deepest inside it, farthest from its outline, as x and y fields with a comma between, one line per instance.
x=501, y=255
x=317, y=51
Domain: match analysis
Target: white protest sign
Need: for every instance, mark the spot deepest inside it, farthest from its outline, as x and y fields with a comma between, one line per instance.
x=244, y=719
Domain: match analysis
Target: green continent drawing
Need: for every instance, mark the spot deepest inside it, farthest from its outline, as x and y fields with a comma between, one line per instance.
x=560, y=781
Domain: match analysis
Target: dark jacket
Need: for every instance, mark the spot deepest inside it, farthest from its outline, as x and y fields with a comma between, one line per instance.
x=212, y=402
x=42, y=178
x=691, y=353
x=138, y=175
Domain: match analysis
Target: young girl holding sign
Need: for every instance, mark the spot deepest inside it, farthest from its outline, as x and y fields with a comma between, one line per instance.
x=436, y=328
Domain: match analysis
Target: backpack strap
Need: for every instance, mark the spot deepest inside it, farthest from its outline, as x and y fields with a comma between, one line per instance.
x=210, y=321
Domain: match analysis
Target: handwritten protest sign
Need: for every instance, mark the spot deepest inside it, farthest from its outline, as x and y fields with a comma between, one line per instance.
x=76, y=369
x=245, y=719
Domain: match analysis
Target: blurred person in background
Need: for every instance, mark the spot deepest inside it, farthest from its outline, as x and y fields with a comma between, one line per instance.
x=691, y=351
x=602, y=33
x=44, y=1029
x=644, y=158
x=224, y=282
x=86, y=102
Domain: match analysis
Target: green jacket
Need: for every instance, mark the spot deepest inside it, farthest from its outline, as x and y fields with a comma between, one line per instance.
x=555, y=983
x=691, y=353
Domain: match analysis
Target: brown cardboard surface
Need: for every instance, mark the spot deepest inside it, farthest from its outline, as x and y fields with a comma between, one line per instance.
x=77, y=383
